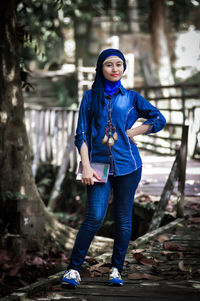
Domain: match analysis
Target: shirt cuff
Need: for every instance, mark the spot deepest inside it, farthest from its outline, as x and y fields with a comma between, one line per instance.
x=149, y=131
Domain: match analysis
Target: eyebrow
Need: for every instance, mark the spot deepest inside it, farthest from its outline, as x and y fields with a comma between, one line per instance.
x=108, y=62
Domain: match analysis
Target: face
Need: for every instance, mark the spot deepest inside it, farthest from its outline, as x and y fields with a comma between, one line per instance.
x=113, y=69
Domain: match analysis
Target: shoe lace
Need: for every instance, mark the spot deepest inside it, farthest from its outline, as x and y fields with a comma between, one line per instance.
x=75, y=274
x=115, y=273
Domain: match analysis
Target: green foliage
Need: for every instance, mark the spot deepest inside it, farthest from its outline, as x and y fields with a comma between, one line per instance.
x=64, y=100
x=177, y=13
x=41, y=24
x=40, y=28
x=11, y=195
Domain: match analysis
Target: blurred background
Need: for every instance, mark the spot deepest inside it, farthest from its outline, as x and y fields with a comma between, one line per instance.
x=61, y=42
x=160, y=38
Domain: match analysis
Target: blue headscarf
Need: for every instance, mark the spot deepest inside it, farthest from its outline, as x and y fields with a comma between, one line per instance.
x=98, y=86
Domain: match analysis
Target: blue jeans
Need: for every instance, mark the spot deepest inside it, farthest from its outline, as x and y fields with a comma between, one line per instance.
x=124, y=188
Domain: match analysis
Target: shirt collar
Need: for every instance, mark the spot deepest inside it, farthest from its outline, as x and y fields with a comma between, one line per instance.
x=121, y=90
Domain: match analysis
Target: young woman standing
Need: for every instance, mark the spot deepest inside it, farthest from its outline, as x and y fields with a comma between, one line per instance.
x=105, y=135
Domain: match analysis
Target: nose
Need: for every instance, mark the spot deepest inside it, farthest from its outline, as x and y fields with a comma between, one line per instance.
x=114, y=68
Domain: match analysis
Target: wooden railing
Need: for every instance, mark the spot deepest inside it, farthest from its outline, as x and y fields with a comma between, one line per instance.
x=180, y=108
x=51, y=130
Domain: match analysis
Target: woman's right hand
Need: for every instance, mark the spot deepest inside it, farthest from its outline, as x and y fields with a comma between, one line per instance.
x=88, y=175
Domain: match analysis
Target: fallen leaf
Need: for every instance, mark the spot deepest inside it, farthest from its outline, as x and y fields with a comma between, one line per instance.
x=99, y=269
x=137, y=251
x=162, y=238
x=145, y=198
x=196, y=285
x=171, y=246
x=180, y=254
x=133, y=268
x=194, y=220
x=14, y=271
x=37, y=261
x=126, y=262
x=135, y=276
x=144, y=260
x=22, y=282
x=184, y=268
x=91, y=260
x=169, y=254
x=157, y=260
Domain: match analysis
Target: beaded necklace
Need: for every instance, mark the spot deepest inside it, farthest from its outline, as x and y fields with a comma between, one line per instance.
x=110, y=131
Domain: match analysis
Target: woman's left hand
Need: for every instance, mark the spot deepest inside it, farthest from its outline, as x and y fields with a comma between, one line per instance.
x=130, y=134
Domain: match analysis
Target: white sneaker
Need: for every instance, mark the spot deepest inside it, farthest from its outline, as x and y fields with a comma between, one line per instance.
x=114, y=277
x=71, y=278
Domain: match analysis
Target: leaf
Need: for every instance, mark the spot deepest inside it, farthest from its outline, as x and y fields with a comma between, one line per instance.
x=145, y=198
x=99, y=269
x=171, y=246
x=157, y=260
x=194, y=220
x=37, y=261
x=180, y=254
x=144, y=260
x=133, y=268
x=135, y=276
x=196, y=285
x=184, y=268
x=14, y=271
x=162, y=238
x=126, y=262
x=91, y=260
x=169, y=254
x=137, y=251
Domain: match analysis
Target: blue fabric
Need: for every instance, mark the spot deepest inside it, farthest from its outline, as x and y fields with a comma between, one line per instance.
x=98, y=198
x=127, y=107
x=111, y=87
x=99, y=85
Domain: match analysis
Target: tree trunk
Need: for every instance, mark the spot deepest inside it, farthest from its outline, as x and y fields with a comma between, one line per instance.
x=133, y=16
x=22, y=212
x=15, y=161
x=160, y=43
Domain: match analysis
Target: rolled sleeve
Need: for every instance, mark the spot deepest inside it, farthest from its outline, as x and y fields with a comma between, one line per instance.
x=154, y=117
x=83, y=126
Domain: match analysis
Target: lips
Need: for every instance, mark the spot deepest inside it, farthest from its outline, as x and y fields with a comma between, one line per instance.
x=114, y=74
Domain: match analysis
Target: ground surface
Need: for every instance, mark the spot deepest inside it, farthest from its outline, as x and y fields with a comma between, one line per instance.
x=165, y=267
x=156, y=170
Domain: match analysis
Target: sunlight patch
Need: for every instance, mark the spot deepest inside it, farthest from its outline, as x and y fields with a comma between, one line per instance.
x=14, y=97
x=22, y=190
x=3, y=117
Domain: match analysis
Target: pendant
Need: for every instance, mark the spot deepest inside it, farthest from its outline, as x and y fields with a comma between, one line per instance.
x=111, y=141
x=105, y=139
x=115, y=136
x=110, y=134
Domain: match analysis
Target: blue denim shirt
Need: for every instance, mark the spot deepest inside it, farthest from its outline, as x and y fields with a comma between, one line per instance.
x=127, y=106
